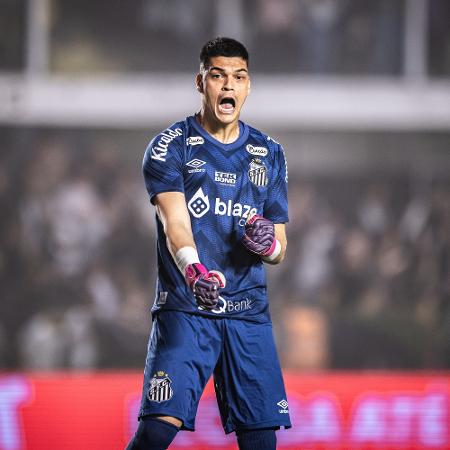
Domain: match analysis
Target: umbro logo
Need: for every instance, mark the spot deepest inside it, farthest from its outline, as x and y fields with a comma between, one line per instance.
x=196, y=165
x=284, y=405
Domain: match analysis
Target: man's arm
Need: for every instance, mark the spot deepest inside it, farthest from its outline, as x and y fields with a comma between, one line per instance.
x=280, y=235
x=172, y=211
x=174, y=216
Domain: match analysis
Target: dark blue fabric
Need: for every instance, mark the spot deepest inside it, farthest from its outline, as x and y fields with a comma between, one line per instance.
x=257, y=439
x=223, y=184
x=186, y=349
x=153, y=434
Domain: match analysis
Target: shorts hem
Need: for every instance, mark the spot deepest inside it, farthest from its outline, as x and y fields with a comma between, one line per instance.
x=186, y=425
x=253, y=426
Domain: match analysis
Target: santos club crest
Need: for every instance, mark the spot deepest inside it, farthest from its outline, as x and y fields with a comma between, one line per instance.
x=257, y=172
x=160, y=388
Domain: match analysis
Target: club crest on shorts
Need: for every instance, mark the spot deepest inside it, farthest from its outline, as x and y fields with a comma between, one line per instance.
x=160, y=389
x=257, y=172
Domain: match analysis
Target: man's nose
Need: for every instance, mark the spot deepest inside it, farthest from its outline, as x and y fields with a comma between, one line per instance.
x=227, y=85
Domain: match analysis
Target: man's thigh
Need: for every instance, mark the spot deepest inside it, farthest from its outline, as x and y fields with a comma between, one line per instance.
x=249, y=383
x=182, y=352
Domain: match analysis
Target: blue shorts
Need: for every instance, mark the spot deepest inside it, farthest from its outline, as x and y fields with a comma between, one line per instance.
x=186, y=349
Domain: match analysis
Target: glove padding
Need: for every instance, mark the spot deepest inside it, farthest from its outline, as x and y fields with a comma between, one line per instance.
x=259, y=236
x=204, y=284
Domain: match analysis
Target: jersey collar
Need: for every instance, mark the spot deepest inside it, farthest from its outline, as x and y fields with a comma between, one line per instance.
x=243, y=135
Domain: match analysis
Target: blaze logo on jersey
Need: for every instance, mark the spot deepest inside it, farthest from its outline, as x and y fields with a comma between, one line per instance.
x=257, y=172
x=229, y=208
x=199, y=204
x=160, y=389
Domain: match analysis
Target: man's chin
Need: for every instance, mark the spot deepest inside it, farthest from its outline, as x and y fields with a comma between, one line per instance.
x=226, y=119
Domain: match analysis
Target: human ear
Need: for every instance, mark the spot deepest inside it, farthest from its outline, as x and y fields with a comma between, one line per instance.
x=199, y=83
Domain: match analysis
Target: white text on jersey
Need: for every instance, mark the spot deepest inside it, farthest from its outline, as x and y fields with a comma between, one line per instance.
x=225, y=178
x=159, y=151
x=222, y=208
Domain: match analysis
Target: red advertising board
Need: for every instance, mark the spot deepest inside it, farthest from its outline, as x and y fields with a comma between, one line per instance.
x=332, y=411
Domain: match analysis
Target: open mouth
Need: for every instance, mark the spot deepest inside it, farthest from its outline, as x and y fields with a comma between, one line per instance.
x=227, y=105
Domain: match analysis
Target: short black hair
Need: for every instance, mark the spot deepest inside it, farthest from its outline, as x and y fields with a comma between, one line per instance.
x=222, y=46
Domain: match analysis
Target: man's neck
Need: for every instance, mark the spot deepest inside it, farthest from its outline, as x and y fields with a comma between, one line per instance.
x=226, y=134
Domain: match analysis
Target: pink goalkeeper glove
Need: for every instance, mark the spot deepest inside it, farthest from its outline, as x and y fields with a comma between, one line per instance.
x=259, y=238
x=204, y=284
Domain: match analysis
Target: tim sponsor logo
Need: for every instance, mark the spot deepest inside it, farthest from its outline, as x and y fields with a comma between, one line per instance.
x=226, y=178
x=159, y=150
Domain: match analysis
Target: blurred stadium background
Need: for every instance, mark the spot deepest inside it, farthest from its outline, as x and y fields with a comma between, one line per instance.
x=359, y=94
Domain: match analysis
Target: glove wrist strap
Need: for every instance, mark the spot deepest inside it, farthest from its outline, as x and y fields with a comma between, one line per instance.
x=186, y=256
x=274, y=254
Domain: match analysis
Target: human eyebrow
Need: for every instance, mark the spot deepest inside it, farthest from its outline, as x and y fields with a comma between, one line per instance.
x=216, y=68
x=220, y=69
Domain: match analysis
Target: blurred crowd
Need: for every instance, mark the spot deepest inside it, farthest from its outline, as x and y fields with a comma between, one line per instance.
x=327, y=36
x=301, y=36
x=77, y=255
x=366, y=282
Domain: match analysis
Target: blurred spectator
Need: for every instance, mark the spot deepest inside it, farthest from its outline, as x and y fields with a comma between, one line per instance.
x=12, y=34
x=319, y=35
x=136, y=36
x=305, y=345
x=271, y=30
x=439, y=37
x=326, y=36
x=365, y=282
x=59, y=339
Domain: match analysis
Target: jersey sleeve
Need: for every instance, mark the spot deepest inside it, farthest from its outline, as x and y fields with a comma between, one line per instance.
x=276, y=205
x=162, y=166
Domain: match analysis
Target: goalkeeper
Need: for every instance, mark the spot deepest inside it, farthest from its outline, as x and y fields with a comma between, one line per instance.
x=219, y=188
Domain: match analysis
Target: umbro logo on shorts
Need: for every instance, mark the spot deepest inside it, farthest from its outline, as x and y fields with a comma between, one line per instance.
x=284, y=405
